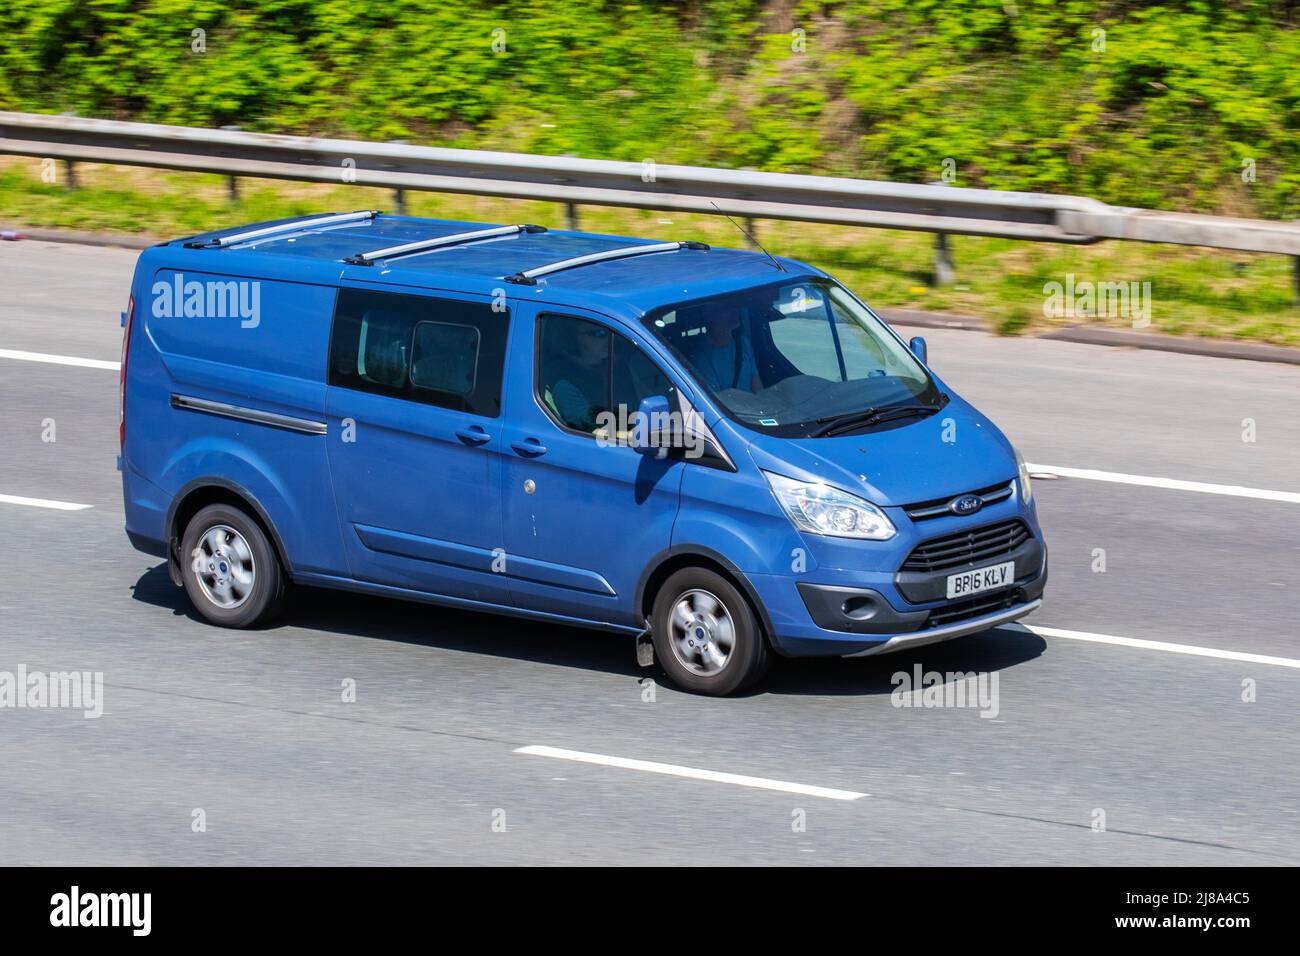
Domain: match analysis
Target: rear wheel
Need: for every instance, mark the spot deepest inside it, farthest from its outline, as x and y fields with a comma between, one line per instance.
x=231, y=572
x=706, y=635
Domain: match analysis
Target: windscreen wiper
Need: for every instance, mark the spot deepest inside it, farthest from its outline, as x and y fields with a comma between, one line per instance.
x=838, y=424
x=832, y=422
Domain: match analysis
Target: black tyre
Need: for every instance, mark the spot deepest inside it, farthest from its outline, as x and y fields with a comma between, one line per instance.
x=230, y=569
x=706, y=635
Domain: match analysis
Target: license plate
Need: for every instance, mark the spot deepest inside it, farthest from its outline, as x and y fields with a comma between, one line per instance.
x=967, y=583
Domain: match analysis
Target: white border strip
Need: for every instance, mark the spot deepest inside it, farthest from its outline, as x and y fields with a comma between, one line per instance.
x=650, y=766
x=1173, y=484
x=1191, y=649
x=43, y=503
x=58, y=359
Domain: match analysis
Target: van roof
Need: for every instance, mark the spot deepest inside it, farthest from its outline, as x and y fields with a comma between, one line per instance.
x=314, y=248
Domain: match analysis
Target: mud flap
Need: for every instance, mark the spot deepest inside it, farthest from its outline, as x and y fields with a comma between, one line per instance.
x=645, y=648
x=174, y=562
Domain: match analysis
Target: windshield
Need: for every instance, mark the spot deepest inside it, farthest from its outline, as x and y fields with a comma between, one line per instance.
x=797, y=358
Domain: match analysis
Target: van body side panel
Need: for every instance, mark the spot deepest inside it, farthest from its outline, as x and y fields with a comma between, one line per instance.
x=226, y=380
x=419, y=506
x=417, y=484
x=734, y=513
x=578, y=543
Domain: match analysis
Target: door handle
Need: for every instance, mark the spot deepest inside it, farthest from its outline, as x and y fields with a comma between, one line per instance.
x=474, y=435
x=530, y=447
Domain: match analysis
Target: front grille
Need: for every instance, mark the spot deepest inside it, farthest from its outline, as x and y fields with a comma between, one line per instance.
x=976, y=546
x=974, y=607
x=938, y=507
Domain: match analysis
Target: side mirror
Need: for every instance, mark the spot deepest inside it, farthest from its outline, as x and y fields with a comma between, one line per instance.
x=652, y=427
x=917, y=345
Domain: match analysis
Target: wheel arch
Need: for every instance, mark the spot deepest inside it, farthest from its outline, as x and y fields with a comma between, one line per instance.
x=672, y=560
x=201, y=492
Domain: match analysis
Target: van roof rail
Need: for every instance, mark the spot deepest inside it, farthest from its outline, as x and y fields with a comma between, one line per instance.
x=332, y=219
x=439, y=242
x=530, y=276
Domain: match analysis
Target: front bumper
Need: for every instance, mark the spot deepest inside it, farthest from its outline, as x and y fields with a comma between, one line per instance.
x=948, y=631
x=863, y=613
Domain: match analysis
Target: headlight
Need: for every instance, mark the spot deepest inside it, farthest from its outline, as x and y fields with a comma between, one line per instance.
x=1026, y=486
x=821, y=509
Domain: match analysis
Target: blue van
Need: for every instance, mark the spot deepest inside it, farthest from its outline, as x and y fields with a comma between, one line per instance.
x=722, y=454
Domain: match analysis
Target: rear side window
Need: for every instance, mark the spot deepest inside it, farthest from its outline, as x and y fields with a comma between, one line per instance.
x=441, y=352
x=444, y=357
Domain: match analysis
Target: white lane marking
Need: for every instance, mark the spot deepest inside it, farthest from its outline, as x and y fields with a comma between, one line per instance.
x=43, y=503
x=1191, y=649
x=1173, y=484
x=693, y=773
x=58, y=359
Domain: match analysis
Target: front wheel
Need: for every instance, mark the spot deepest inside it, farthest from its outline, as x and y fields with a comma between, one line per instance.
x=231, y=572
x=706, y=635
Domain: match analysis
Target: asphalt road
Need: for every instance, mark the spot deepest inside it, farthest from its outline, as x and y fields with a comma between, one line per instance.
x=250, y=727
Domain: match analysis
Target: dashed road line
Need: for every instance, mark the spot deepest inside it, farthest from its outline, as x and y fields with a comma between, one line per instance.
x=693, y=773
x=1172, y=484
x=58, y=359
x=1167, y=646
x=43, y=503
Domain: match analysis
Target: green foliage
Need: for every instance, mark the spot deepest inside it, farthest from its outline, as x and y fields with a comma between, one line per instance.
x=1014, y=322
x=1161, y=110
x=1144, y=104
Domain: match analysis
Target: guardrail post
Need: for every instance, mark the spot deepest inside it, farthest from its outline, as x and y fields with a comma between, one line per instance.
x=571, y=209
x=751, y=234
x=944, y=273
x=232, y=182
x=399, y=194
x=69, y=167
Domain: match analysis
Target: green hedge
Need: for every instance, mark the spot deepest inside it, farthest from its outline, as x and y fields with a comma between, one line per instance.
x=1018, y=94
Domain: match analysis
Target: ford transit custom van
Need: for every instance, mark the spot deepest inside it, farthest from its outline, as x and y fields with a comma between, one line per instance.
x=721, y=454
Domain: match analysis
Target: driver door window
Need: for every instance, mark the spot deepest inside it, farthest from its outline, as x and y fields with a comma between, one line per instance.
x=589, y=376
